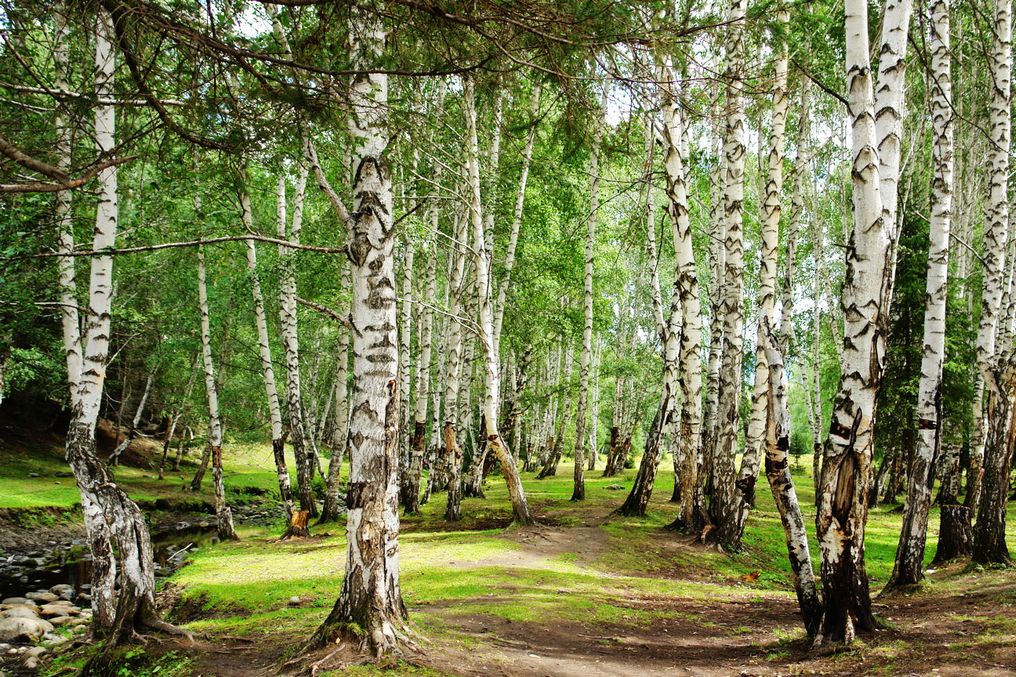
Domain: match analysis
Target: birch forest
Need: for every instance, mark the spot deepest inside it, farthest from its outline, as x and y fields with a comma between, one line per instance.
x=518, y=337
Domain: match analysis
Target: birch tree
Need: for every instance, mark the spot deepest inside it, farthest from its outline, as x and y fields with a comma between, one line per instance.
x=910, y=553
x=492, y=376
x=117, y=535
x=846, y=473
x=585, y=361
x=223, y=515
x=267, y=368
x=995, y=362
x=723, y=505
x=305, y=462
x=371, y=599
x=772, y=212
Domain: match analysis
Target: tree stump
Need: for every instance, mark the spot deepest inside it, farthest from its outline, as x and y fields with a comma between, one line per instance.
x=955, y=538
x=298, y=524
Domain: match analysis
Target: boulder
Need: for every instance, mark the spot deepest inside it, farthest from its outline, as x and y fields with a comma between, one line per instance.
x=42, y=596
x=20, y=612
x=22, y=629
x=18, y=600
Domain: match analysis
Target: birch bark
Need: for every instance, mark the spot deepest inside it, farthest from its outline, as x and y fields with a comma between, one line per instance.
x=305, y=462
x=223, y=515
x=995, y=361
x=723, y=506
x=772, y=212
x=492, y=377
x=371, y=600
x=585, y=361
x=913, y=534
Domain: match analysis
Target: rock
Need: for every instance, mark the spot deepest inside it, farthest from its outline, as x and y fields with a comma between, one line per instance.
x=31, y=629
x=62, y=589
x=294, y=601
x=20, y=612
x=18, y=600
x=33, y=474
x=36, y=651
x=44, y=597
x=32, y=664
x=49, y=610
x=62, y=620
x=84, y=597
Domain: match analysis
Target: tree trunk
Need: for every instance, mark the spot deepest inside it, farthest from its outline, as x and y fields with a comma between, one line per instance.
x=492, y=377
x=116, y=531
x=781, y=481
x=223, y=515
x=913, y=535
x=370, y=607
x=772, y=212
x=955, y=539
x=723, y=505
x=989, y=530
x=452, y=457
x=405, y=373
x=305, y=461
x=267, y=368
x=846, y=473
x=994, y=362
x=331, y=509
x=585, y=361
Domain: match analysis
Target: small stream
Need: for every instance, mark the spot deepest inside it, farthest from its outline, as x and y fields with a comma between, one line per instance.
x=70, y=563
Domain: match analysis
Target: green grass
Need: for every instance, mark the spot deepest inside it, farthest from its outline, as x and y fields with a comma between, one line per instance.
x=249, y=472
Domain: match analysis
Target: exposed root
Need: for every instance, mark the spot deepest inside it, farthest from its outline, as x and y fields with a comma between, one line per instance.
x=156, y=623
x=315, y=666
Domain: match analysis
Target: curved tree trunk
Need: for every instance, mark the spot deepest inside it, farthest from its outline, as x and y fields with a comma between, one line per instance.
x=116, y=531
x=908, y=569
x=777, y=464
x=492, y=376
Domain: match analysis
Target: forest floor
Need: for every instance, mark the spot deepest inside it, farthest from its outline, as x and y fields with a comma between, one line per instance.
x=584, y=593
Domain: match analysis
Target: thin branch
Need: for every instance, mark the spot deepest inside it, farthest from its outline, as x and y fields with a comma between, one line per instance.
x=178, y=245
x=328, y=312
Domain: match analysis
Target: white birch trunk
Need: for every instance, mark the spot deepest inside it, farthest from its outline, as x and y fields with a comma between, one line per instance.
x=908, y=569
x=846, y=473
x=687, y=287
x=223, y=515
x=267, y=368
x=782, y=483
x=492, y=377
x=340, y=426
x=371, y=600
x=995, y=361
x=585, y=361
x=723, y=506
x=291, y=344
x=772, y=212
